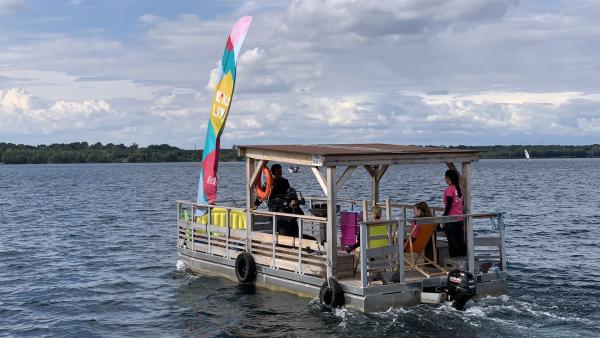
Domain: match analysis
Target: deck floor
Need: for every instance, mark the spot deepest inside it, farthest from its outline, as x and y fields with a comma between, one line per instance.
x=409, y=277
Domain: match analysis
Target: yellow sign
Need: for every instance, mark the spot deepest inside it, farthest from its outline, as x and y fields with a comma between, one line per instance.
x=221, y=102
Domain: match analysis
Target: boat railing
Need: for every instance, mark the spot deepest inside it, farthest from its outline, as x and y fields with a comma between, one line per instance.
x=211, y=229
x=493, y=237
x=236, y=203
x=226, y=231
x=351, y=203
x=310, y=253
x=391, y=257
x=395, y=209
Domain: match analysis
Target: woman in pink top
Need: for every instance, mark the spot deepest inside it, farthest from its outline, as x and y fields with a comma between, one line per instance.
x=453, y=203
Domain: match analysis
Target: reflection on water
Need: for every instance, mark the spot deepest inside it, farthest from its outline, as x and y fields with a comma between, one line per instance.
x=90, y=250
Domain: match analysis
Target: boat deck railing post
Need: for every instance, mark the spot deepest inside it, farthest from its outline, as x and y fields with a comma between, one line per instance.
x=363, y=255
x=178, y=218
x=300, y=246
x=208, y=228
x=249, y=223
x=470, y=245
x=227, y=229
x=193, y=209
x=404, y=222
x=273, y=242
x=400, y=241
x=502, y=247
x=435, y=247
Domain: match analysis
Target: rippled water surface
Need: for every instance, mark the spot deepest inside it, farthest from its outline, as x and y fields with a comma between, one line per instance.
x=90, y=250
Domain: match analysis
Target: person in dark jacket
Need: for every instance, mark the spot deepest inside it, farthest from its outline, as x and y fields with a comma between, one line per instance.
x=283, y=198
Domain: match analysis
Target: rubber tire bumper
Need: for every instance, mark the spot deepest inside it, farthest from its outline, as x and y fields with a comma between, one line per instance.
x=245, y=268
x=331, y=294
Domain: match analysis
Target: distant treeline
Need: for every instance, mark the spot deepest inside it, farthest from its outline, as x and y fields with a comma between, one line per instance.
x=539, y=151
x=82, y=152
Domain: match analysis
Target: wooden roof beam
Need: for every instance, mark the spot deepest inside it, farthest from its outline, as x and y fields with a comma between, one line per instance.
x=345, y=175
x=256, y=173
x=321, y=179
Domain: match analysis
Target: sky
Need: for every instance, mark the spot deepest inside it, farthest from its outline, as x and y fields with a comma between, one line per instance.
x=429, y=72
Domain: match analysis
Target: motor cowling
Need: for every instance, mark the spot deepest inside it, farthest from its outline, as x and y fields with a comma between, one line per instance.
x=461, y=287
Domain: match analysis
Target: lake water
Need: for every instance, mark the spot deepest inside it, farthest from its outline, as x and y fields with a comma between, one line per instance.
x=90, y=250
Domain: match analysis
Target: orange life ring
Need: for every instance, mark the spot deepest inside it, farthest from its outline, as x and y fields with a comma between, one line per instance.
x=264, y=192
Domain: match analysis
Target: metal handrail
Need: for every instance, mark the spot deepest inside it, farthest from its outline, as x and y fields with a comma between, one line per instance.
x=211, y=206
x=448, y=219
x=405, y=205
x=323, y=198
x=298, y=216
x=400, y=234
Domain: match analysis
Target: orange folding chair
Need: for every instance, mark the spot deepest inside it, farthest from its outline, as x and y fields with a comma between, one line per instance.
x=413, y=251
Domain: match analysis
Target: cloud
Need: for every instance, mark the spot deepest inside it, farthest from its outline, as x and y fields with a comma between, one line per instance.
x=150, y=18
x=24, y=113
x=388, y=17
x=60, y=86
x=11, y=6
x=589, y=125
x=432, y=72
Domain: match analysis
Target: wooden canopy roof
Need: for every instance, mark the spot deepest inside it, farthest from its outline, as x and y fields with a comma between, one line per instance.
x=355, y=154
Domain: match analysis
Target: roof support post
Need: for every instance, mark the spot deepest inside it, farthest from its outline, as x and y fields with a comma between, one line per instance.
x=372, y=170
x=466, y=191
x=331, y=224
x=250, y=171
x=376, y=172
x=382, y=171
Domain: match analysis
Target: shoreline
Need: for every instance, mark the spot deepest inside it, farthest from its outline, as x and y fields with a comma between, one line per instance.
x=83, y=152
x=158, y=162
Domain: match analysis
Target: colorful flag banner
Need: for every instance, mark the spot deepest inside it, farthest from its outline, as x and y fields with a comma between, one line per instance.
x=207, y=187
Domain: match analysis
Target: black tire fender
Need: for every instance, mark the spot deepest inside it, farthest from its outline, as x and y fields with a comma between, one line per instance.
x=245, y=268
x=331, y=294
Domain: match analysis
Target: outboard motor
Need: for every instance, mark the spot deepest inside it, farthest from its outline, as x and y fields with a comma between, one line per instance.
x=461, y=288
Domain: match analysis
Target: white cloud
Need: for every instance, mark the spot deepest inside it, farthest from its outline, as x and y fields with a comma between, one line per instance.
x=60, y=86
x=252, y=56
x=556, y=98
x=388, y=17
x=150, y=18
x=25, y=113
x=433, y=72
x=11, y=6
x=589, y=125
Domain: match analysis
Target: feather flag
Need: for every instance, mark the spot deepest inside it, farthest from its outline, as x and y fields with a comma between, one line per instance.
x=207, y=187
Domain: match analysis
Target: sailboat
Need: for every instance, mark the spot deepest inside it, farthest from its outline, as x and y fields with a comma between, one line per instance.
x=526, y=155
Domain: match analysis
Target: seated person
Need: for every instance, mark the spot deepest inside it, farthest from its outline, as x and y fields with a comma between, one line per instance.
x=420, y=209
x=283, y=198
x=375, y=215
